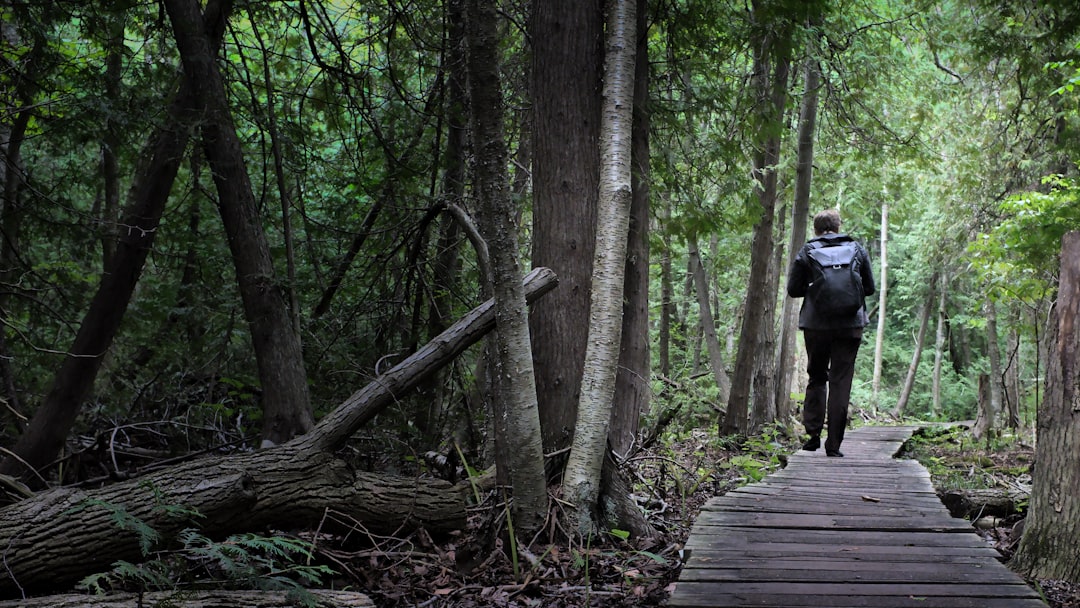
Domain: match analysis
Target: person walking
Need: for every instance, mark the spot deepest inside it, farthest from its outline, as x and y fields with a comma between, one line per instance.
x=832, y=274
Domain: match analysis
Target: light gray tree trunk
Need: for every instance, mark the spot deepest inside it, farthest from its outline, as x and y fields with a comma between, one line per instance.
x=939, y=345
x=632, y=390
x=916, y=356
x=707, y=326
x=1052, y=529
x=582, y=480
x=516, y=392
x=882, y=288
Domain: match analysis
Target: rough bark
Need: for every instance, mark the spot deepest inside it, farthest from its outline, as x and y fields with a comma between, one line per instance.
x=519, y=447
x=632, y=391
x=284, y=486
x=566, y=67
x=916, y=356
x=1052, y=530
x=194, y=599
x=286, y=402
x=804, y=167
x=708, y=328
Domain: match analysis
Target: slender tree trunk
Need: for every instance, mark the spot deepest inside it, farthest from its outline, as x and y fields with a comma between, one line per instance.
x=667, y=294
x=567, y=38
x=882, y=288
x=634, y=370
x=939, y=345
x=991, y=406
x=707, y=326
x=582, y=481
x=1012, y=376
x=789, y=316
x=920, y=340
x=1052, y=529
x=278, y=353
x=280, y=178
x=513, y=362
x=772, y=63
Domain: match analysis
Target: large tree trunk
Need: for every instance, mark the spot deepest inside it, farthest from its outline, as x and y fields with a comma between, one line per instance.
x=285, y=400
x=632, y=380
x=582, y=480
x=48, y=429
x=772, y=63
x=707, y=326
x=789, y=316
x=519, y=447
x=283, y=487
x=567, y=37
x=1052, y=530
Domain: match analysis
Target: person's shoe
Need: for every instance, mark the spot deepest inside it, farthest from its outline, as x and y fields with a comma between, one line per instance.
x=834, y=453
x=812, y=444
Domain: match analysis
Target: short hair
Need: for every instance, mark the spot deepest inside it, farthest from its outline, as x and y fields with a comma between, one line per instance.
x=827, y=221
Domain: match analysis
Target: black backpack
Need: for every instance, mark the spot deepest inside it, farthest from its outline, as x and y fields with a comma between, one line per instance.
x=836, y=289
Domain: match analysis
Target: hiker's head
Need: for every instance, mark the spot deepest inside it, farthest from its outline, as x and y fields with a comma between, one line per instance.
x=827, y=221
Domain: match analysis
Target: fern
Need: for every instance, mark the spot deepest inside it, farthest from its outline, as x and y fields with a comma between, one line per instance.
x=252, y=561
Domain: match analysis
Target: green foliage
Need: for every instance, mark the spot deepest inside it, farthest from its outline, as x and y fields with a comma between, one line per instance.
x=244, y=561
x=1020, y=254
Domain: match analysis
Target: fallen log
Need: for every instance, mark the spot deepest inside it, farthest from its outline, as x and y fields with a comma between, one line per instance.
x=57, y=537
x=193, y=599
x=975, y=503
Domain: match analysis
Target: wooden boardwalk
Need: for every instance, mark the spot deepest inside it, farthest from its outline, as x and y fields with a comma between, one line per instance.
x=864, y=530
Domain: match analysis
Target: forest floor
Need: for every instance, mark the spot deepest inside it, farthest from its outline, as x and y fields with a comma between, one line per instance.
x=475, y=568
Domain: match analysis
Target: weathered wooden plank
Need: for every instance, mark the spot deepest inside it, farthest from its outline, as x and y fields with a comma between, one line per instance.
x=934, y=522
x=705, y=558
x=777, y=571
x=705, y=536
x=704, y=595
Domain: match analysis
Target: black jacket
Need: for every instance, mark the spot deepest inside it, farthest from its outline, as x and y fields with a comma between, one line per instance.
x=799, y=281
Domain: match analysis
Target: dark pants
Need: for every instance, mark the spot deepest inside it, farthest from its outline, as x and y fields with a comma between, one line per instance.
x=831, y=366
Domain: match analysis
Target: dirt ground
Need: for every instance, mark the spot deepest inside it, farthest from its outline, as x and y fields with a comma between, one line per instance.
x=475, y=568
